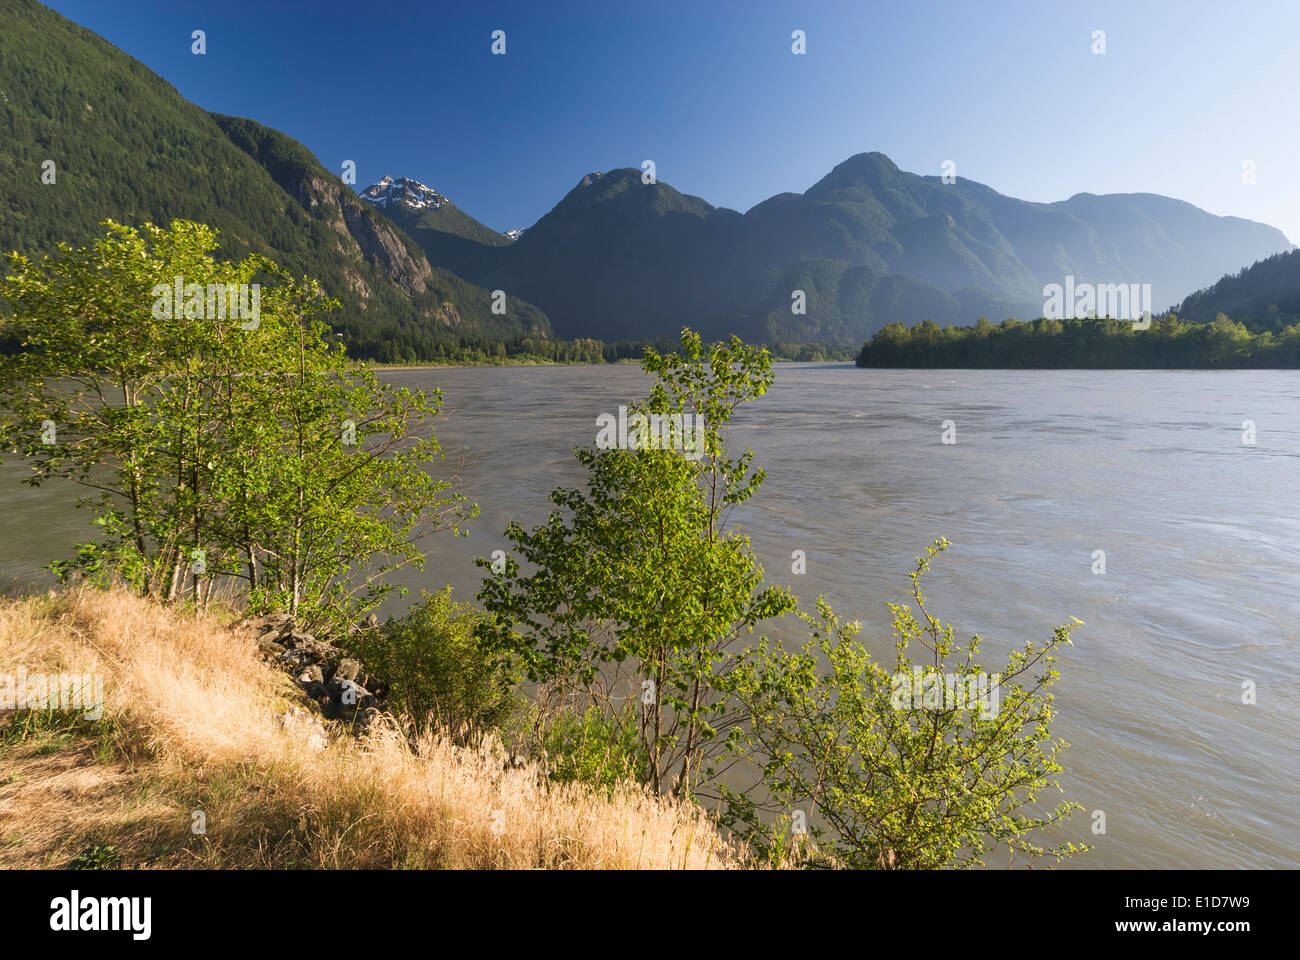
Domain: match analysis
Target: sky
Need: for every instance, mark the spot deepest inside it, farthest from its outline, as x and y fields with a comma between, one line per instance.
x=1193, y=99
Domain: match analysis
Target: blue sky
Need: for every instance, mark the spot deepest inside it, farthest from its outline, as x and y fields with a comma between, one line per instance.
x=1011, y=92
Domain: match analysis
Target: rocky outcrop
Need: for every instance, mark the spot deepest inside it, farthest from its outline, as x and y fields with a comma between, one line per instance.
x=339, y=687
x=448, y=315
x=337, y=684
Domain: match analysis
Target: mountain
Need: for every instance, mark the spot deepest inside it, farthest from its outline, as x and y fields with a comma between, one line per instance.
x=1265, y=296
x=450, y=237
x=616, y=258
x=126, y=145
x=867, y=244
x=619, y=259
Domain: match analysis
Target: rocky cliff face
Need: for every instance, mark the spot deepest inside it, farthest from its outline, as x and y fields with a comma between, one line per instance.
x=380, y=243
x=399, y=293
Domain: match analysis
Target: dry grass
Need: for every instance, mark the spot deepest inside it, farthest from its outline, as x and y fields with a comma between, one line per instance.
x=194, y=721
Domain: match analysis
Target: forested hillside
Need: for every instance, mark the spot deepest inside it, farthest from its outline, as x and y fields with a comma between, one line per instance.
x=89, y=133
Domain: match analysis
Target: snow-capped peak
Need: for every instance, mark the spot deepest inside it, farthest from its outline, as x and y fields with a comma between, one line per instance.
x=409, y=193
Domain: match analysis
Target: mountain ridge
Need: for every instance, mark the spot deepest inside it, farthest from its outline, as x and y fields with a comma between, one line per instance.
x=616, y=257
x=1264, y=296
x=620, y=257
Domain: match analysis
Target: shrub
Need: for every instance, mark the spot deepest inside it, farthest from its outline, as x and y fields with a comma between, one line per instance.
x=439, y=666
x=879, y=778
x=596, y=746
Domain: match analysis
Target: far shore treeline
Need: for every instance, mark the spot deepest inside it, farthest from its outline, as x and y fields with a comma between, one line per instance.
x=526, y=350
x=1087, y=344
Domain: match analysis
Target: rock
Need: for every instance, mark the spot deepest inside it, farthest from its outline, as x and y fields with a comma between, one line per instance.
x=275, y=632
x=312, y=675
x=370, y=623
x=338, y=684
x=348, y=669
x=318, y=649
x=342, y=704
x=349, y=692
x=294, y=658
x=349, y=695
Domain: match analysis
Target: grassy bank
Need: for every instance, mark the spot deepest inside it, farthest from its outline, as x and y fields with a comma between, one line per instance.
x=194, y=722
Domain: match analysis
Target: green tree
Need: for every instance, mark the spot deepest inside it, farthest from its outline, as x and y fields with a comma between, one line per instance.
x=641, y=569
x=212, y=444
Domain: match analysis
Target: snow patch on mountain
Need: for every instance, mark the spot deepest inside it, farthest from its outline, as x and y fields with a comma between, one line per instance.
x=403, y=191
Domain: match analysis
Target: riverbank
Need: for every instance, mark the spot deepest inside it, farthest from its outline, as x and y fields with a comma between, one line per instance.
x=205, y=756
